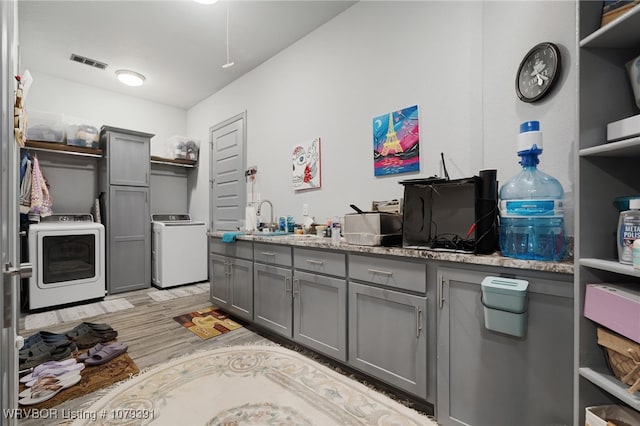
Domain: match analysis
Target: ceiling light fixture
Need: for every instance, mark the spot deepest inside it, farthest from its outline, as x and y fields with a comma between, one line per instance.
x=229, y=63
x=130, y=78
x=206, y=1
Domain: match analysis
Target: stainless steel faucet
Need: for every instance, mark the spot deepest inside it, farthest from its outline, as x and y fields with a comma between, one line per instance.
x=271, y=225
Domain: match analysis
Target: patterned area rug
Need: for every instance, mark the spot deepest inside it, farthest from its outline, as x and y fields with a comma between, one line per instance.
x=207, y=323
x=74, y=313
x=174, y=293
x=249, y=385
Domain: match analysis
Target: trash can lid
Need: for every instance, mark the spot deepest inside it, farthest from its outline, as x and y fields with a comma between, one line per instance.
x=510, y=286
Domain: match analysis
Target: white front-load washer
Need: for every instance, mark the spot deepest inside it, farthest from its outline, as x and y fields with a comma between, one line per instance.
x=179, y=250
x=68, y=257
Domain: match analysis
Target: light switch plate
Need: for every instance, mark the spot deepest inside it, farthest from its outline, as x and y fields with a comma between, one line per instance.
x=305, y=209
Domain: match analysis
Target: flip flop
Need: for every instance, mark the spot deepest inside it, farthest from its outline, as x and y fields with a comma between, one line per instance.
x=47, y=380
x=90, y=352
x=49, y=391
x=47, y=366
x=55, y=372
x=107, y=353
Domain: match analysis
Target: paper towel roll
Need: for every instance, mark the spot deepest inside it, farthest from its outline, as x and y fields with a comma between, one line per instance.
x=250, y=219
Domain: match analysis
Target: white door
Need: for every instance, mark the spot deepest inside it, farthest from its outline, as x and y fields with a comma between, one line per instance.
x=226, y=170
x=8, y=217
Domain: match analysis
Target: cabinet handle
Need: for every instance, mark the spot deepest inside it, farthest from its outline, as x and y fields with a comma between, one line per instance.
x=296, y=281
x=418, y=327
x=378, y=271
x=315, y=262
x=441, y=292
x=267, y=253
x=286, y=285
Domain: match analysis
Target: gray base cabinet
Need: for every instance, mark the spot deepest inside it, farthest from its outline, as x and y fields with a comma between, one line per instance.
x=272, y=287
x=129, y=239
x=231, y=277
x=387, y=336
x=320, y=313
x=232, y=285
x=494, y=379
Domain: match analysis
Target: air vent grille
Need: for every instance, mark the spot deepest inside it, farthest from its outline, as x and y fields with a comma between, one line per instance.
x=88, y=61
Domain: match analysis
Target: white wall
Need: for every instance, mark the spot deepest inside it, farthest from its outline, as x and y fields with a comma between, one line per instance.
x=456, y=60
x=103, y=107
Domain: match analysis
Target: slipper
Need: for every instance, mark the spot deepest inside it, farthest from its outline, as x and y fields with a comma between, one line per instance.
x=86, y=327
x=45, y=336
x=90, y=352
x=54, y=372
x=47, y=380
x=46, y=366
x=49, y=391
x=56, y=354
x=107, y=353
x=94, y=337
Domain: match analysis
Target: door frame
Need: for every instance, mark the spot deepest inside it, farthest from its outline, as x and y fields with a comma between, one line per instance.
x=9, y=222
x=243, y=196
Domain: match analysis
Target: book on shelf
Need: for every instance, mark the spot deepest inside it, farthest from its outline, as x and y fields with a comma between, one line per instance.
x=613, y=9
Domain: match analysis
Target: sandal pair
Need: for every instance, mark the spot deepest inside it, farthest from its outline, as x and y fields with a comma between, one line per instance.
x=101, y=353
x=47, y=389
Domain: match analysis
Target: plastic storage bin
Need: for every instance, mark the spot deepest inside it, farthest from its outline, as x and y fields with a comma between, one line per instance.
x=82, y=132
x=616, y=414
x=505, y=305
x=45, y=127
x=183, y=148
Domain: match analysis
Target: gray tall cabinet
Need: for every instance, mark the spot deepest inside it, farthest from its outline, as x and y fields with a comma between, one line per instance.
x=124, y=184
x=605, y=171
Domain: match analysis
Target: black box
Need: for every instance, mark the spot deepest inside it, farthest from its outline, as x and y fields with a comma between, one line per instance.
x=453, y=215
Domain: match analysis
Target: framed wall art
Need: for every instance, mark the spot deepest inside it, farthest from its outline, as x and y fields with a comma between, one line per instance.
x=396, y=142
x=306, y=165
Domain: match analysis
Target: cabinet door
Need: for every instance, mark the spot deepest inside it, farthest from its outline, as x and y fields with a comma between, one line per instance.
x=490, y=378
x=219, y=279
x=129, y=229
x=272, y=298
x=387, y=336
x=128, y=159
x=320, y=313
x=241, y=288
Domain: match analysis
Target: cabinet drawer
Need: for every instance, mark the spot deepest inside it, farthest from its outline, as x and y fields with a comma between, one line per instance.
x=389, y=272
x=323, y=262
x=272, y=253
x=241, y=249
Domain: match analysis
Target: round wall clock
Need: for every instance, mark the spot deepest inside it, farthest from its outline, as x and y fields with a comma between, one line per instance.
x=538, y=72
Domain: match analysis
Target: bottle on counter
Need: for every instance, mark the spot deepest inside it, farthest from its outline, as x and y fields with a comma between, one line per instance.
x=531, y=205
x=628, y=231
x=335, y=229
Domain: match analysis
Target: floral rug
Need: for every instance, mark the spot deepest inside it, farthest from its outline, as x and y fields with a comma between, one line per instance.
x=247, y=385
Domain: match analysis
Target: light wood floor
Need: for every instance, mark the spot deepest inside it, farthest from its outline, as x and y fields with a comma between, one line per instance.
x=154, y=337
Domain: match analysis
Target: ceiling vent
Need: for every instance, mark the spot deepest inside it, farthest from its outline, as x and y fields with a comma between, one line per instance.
x=88, y=61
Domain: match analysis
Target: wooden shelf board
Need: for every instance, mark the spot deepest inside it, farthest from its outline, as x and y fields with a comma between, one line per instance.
x=173, y=161
x=63, y=149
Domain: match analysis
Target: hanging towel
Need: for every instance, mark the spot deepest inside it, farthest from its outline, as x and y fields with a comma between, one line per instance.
x=25, y=189
x=41, y=201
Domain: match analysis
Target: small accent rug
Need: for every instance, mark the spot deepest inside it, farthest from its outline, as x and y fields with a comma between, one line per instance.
x=93, y=378
x=174, y=293
x=256, y=385
x=207, y=323
x=74, y=313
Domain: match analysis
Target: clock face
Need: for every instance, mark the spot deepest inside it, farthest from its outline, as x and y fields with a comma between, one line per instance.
x=538, y=72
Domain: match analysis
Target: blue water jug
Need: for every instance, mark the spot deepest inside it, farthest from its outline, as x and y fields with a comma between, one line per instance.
x=531, y=205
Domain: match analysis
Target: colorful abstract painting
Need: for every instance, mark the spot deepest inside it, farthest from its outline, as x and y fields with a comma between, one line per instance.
x=306, y=165
x=396, y=147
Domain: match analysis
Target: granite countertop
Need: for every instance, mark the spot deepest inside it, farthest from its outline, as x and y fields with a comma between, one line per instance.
x=495, y=259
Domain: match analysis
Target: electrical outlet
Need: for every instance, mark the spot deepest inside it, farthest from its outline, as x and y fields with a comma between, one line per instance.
x=305, y=209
